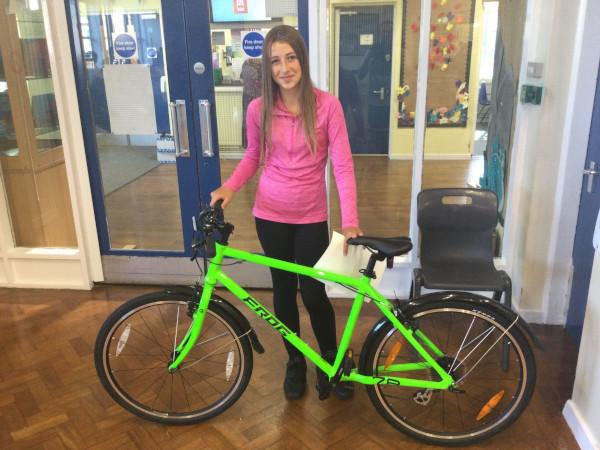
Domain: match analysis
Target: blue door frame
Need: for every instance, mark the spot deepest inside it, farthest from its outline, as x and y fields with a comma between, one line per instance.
x=183, y=22
x=583, y=251
x=365, y=73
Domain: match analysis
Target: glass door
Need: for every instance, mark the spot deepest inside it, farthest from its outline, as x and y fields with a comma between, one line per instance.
x=141, y=145
x=365, y=75
x=166, y=85
x=32, y=162
x=237, y=30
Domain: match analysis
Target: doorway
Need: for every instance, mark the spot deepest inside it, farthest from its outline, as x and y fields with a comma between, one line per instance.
x=589, y=205
x=363, y=50
x=162, y=86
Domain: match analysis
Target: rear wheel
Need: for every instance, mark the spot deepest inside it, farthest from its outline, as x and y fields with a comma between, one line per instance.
x=135, y=347
x=490, y=392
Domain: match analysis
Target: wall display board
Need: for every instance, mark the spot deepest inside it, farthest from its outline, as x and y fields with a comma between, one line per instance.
x=450, y=40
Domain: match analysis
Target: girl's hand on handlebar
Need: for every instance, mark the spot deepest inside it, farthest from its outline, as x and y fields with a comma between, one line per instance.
x=223, y=193
x=350, y=232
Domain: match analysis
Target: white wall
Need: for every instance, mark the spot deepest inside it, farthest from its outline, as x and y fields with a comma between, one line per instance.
x=573, y=158
x=550, y=151
x=582, y=412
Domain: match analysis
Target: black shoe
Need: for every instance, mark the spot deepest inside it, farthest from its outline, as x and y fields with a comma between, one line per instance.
x=294, y=384
x=344, y=390
x=323, y=384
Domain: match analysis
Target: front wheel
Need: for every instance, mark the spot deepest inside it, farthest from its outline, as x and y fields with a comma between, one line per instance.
x=494, y=374
x=135, y=347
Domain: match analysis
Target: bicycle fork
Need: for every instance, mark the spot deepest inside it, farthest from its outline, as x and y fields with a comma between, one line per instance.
x=192, y=334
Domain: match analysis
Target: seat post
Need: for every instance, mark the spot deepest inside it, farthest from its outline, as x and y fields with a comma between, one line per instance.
x=370, y=270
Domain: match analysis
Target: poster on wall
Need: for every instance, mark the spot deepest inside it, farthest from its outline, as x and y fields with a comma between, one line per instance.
x=238, y=10
x=450, y=41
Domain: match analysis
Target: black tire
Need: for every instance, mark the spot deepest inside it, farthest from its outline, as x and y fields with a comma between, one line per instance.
x=446, y=417
x=134, y=348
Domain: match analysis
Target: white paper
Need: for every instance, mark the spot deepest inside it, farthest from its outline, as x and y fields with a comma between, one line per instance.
x=130, y=99
x=333, y=260
x=366, y=39
x=596, y=238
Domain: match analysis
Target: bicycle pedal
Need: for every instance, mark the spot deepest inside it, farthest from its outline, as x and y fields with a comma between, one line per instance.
x=345, y=367
x=348, y=363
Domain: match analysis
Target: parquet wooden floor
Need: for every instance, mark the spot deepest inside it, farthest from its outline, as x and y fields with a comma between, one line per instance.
x=145, y=213
x=50, y=397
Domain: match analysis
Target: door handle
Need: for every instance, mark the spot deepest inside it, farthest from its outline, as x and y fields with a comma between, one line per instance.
x=206, y=128
x=180, y=128
x=590, y=172
x=381, y=93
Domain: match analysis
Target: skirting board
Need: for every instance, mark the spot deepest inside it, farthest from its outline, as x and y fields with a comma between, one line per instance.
x=579, y=427
x=433, y=156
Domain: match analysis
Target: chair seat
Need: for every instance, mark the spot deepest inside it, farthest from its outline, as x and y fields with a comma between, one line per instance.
x=467, y=277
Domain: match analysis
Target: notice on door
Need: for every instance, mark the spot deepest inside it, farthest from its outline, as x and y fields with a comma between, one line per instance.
x=366, y=39
x=125, y=45
x=252, y=43
x=130, y=99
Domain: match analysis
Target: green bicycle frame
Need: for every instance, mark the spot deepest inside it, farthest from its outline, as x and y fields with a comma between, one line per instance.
x=364, y=289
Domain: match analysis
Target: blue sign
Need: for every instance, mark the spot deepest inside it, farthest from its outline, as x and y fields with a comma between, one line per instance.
x=125, y=46
x=151, y=53
x=253, y=44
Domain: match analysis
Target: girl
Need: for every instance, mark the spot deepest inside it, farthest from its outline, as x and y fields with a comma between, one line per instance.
x=290, y=130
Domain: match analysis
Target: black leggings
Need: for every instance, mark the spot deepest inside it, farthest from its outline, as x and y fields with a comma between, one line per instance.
x=303, y=244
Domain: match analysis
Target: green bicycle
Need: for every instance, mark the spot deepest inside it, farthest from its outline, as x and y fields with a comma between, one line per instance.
x=448, y=368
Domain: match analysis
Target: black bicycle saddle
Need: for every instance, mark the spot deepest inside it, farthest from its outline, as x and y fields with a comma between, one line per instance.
x=387, y=247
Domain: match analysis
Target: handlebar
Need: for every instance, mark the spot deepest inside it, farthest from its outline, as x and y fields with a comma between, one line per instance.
x=211, y=220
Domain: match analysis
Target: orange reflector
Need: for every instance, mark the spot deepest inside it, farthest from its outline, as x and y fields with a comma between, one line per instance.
x=392, y=355
x=491, y=404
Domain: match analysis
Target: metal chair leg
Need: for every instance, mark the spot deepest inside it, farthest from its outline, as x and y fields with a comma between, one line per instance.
x=505, y=363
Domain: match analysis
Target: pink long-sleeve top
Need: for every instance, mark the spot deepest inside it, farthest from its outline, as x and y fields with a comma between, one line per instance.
x=291, y=188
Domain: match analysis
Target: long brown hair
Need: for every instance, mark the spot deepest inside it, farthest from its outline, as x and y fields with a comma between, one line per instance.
x=270, y=93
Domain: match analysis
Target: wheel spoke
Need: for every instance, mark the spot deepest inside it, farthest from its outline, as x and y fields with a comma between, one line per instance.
x=139, y=378
x=184, y=391
x=211, y=353
x=164, y=322
x=152, y=333
x=488, y=350
x=158, y=393
x=461, y=345
x=467, y=335
x=154, y=341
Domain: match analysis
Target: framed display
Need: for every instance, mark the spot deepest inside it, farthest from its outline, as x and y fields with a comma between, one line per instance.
x=450, y=41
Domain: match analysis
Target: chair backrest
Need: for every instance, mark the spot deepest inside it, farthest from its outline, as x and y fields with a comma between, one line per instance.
x=457, y=225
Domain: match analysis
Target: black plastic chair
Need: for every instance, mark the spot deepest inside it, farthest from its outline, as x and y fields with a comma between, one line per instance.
x=457, y=250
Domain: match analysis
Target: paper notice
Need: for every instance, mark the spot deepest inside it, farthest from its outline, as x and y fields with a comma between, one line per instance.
x=130, y=99
x=333, y=260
